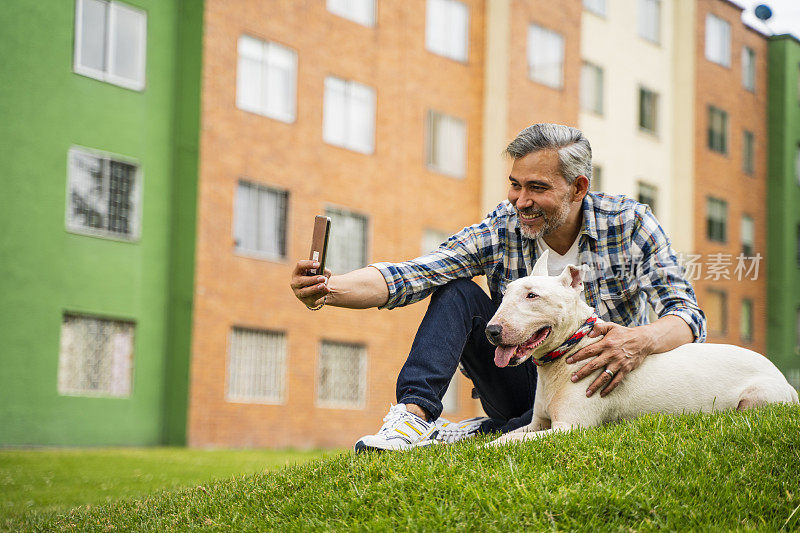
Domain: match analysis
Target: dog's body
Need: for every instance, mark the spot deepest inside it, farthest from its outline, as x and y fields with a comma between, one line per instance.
x=539, y=312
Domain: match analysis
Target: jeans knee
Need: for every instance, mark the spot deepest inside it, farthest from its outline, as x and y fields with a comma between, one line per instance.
x=459, y=289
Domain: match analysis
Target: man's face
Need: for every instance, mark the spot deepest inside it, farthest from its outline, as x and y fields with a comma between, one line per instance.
x=540, y=194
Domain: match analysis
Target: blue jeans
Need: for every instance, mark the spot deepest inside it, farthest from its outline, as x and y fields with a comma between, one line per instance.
x=453, y=331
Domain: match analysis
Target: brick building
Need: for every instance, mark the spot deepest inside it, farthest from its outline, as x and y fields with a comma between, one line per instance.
x=730, y=185
x=410, y=77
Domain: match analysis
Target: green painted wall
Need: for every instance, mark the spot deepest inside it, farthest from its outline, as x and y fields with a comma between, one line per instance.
x=784, y=202
x=44, y=270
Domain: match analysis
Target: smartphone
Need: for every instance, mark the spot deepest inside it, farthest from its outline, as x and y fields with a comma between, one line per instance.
x=319, y=244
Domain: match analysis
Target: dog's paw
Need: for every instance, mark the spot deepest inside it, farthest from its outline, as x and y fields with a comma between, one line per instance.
x=505, y=439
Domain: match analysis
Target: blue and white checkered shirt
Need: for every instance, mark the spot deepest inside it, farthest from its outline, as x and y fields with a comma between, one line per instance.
x=629, y=257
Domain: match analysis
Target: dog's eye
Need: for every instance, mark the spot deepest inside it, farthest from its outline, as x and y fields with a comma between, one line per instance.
x=531, y=295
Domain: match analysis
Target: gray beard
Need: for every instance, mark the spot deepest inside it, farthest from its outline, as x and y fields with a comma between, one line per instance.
x=551, y=222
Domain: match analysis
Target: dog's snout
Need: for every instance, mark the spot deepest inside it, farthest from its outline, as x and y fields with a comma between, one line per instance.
x=494, y=332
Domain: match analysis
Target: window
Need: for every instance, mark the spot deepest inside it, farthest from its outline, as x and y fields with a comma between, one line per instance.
x=260, y=220
x=648, y=194
x=349, y=115
x=797, y=252
x=447, y=28
x=256, y=366
x=110, y=42
x=598, y=7
x=716, y=220
x=341, y=375
x=797, y=165
x=748, y=236
x=748, y=152
x=96, y=357
x=592, y=88
x=716, y=312
x=347, y=246
x=793, y=376
x=648, y=110
x=597, y=178
x=746, y=320
x=718, y=40
x=361, y=11
x=545, y=56
x=749, y=68
x=102, y=195
x=717, y=130
x=266, y=79
x=450, y=398
x=431, y=240
x=447, y=144
x=650, y=20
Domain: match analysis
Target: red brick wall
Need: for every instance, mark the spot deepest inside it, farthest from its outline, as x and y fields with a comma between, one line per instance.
x=722, y=176
x=392, y=187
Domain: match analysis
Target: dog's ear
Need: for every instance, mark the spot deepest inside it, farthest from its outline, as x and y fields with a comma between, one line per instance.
x=572, y=276
x=540, y=268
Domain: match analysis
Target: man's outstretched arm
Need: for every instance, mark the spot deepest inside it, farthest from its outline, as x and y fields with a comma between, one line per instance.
x=359, y=289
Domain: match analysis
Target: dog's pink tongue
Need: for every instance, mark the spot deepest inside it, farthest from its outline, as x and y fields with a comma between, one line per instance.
x=502, y=355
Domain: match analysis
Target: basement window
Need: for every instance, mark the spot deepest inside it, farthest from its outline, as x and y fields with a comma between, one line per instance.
x=95, y=357
x=256, y=366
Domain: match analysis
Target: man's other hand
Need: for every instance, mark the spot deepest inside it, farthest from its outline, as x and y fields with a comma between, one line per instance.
x=311, y=290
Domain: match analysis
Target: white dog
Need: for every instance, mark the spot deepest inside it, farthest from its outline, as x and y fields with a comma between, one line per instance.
x=539, y=313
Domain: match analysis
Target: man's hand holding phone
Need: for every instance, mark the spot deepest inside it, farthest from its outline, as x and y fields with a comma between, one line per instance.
x=310, y=278
x=310, y=289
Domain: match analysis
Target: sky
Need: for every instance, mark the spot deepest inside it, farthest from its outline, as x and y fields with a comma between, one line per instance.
x=785, y=16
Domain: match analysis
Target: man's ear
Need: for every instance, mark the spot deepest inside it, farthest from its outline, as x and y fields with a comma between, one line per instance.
x=572, y=276
x=580, y=187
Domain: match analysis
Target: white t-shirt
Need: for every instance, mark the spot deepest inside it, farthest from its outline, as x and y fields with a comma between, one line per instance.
x=556, y=263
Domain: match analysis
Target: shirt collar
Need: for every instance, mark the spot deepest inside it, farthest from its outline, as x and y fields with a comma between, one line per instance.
x=589, y=221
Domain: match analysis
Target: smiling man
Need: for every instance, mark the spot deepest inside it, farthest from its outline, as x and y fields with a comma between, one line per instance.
x=549, y=207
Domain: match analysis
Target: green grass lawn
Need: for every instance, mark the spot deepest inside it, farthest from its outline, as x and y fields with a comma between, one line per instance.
x=720, y=472
x=55, y=480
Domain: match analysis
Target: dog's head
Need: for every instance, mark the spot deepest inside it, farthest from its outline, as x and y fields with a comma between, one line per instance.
x=537, y=314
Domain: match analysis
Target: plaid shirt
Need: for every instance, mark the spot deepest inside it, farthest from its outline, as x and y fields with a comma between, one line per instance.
x=629, y=257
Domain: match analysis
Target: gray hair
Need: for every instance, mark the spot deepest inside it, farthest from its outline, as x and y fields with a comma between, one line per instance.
x=574, y=151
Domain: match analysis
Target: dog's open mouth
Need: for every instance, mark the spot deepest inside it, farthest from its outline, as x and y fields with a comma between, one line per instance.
x=509, y=355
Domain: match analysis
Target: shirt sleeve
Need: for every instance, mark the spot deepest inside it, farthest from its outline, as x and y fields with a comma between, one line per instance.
x=662, y=278
x=464, y=255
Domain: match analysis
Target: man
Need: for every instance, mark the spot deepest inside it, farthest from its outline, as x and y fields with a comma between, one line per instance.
x=548, y=207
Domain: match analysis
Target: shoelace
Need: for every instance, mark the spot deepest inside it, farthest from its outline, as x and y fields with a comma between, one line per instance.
x=392, y=417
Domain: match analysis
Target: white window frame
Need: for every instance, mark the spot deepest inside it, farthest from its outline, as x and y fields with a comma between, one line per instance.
x=718, y=52
x=348, y=9
x=106, y=74
x=446, y=29
x=649, y=29
x=431, y=236
x=135, y=195
x=115, y=363
x=237, y=221
x=644, y=189
x=718, y=116
x=436, y=119
x=748, y=152
x=747, y=234
x=598, y=7
x=450, y=400
x=655, y=111
x=746, y=323
x=262, y=107
x=338, y=236
x=255, y=355
x=350, y=100
x=592, y=88
x=717, y=212
x=749, y=68
x=333, y=403
x=546, y=35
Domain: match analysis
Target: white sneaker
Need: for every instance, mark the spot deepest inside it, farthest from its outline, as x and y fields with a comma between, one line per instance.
x=450, y=432
x=401, y=430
